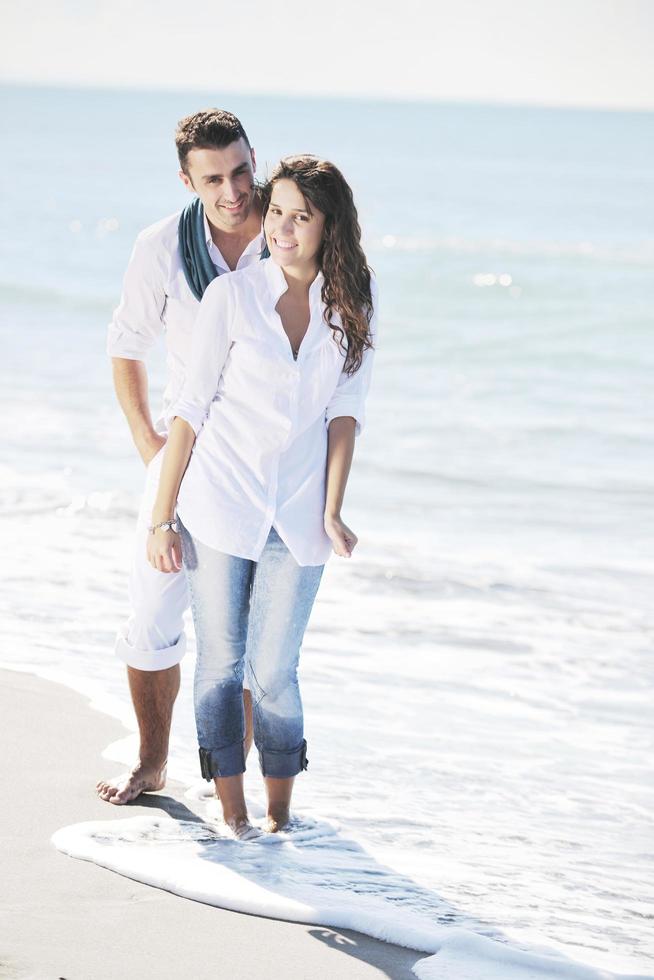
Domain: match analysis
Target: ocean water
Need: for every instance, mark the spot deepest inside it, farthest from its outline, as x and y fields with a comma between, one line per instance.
x=477, y=680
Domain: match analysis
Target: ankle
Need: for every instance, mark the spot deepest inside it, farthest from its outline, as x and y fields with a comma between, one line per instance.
x=152, y=762
x=235, y=818
x=278, y=810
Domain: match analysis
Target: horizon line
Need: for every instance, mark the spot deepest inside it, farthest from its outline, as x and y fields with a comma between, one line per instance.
x=324, y=96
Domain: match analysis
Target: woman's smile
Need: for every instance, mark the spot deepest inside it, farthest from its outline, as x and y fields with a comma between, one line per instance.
x=282, y=243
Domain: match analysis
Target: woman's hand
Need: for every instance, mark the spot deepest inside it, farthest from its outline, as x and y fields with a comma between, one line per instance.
x=165, y=550
x=342, y=538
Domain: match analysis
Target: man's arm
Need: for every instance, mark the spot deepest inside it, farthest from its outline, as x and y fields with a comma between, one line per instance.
x=134, y=329
x=131, y=386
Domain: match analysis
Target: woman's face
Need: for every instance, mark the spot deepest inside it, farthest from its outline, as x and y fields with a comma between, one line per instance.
x=293, y=233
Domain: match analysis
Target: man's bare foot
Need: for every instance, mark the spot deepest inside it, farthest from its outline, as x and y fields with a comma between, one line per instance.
x=277, y=819
x=123, y=789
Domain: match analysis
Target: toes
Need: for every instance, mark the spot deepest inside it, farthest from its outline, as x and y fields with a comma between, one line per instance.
x=104, y=787
x=127, y=788
x=125, y=795
x=108, y=791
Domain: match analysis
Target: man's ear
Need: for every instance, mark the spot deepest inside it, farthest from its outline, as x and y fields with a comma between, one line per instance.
x=254, y=160
x=186, y=180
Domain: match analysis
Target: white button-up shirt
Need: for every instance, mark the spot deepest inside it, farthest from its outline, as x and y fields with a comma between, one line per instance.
x=261, y=418
x=156, y=298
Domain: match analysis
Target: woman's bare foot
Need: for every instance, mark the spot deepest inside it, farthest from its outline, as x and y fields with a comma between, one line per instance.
x=123, y=789
x=277, y=819
x=229, y=790
x=279, y=793
x=242, y=829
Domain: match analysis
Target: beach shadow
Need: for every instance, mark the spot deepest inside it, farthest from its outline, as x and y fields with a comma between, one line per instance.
x=169, y=804
x=394, y=961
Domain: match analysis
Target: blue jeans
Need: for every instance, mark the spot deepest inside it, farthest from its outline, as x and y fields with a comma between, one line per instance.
x=253, y=613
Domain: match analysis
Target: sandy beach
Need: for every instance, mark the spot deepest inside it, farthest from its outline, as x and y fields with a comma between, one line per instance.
x=70, y=919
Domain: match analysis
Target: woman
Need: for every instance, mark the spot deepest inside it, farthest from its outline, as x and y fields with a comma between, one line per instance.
x=282, y=354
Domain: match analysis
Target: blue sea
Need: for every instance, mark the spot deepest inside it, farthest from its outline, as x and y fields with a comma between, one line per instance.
x=478, y=679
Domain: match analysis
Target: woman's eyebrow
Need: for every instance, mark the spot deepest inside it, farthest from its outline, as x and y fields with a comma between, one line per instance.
x=274, y=204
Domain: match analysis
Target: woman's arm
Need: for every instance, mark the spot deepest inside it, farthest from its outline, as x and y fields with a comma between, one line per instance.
x=340, y=449
x=211, y=342
x=344, y=417
x=164, y=547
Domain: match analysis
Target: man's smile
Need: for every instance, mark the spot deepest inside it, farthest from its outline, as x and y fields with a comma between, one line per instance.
x=233, y=207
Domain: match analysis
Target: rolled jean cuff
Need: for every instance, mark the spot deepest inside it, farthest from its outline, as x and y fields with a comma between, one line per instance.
x=228, y=761
x=149, y=659
x=283, y=765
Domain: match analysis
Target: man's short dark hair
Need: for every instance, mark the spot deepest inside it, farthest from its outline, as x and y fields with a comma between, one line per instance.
x=210, y=129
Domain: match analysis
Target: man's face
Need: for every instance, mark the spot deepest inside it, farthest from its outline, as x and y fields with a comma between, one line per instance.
x=224, y=182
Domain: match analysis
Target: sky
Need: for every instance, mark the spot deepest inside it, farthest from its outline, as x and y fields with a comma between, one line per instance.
x=595, y=53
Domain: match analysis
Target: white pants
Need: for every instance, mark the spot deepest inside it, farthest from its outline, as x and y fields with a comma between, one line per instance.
x=153, y=637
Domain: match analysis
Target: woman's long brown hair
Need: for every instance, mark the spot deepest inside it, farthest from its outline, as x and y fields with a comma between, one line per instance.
x=346, y=289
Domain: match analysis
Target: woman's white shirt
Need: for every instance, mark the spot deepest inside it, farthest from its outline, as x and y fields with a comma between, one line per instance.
x=261, y=417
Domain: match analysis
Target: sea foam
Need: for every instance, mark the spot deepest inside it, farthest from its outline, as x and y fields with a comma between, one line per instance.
x=309, y=874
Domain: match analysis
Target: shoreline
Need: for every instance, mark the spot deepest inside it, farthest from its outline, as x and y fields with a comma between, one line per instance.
x=129, y=929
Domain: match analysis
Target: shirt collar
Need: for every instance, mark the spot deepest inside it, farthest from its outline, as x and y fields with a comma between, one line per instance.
x=207, y=230
x=256, y=244
x=277, y=282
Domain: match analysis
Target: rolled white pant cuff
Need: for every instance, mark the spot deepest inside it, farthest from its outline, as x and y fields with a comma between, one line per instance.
x=149, y=659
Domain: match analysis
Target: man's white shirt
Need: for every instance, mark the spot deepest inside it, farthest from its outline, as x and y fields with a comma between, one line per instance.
x=156, y=300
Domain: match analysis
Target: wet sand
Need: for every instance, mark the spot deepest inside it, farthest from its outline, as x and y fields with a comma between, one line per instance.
x=64, y=919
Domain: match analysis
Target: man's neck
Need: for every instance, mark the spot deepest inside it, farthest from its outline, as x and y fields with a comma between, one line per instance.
x=233, y=241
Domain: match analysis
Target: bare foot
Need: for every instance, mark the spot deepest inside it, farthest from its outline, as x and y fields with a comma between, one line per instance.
x=123, y=789
x=242, y=829
x=277, y=819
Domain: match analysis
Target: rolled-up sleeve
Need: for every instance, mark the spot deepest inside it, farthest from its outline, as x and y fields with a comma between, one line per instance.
x=212, y=338
x=137, y=321
x=349, y=398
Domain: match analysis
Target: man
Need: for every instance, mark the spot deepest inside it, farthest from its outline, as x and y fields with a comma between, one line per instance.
x=172, y=263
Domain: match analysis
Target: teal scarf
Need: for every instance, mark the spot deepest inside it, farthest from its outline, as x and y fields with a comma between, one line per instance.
x=196, y=261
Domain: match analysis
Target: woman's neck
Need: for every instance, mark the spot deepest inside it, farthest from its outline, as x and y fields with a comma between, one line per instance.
x=300, y=280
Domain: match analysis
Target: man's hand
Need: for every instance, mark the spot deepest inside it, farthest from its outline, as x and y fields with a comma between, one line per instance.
x=342, y=538
x=150, y=446
x=165, y=550
x=131, y=384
